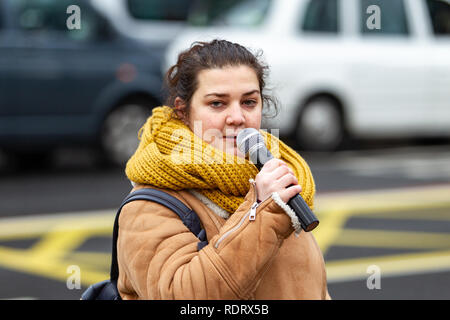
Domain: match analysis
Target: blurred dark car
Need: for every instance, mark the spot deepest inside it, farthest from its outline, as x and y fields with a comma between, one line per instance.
x=61, y=87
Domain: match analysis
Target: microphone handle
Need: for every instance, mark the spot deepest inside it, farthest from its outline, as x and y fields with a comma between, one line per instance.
x=304, y=214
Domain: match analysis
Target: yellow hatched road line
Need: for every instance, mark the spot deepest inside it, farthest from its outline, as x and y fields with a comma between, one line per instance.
x=434, y=214
x=21, y=260
x=56, y=244
x=98, y=260
x=334, y=209
x=393, y=239
x=60, y=234
x=33, y=226
x=330, y=228
x=376, y=201
x=384, y=204
x=392, y=265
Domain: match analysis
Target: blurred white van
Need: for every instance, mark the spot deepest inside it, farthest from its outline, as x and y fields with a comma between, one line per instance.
x=360, y=68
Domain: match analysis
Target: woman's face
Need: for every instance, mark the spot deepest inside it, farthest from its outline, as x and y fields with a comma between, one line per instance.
x=226, y=101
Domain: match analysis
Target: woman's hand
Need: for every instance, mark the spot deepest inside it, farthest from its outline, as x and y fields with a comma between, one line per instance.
x=276, y=176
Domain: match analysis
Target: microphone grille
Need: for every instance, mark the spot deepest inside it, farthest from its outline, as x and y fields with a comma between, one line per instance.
x=247, y=138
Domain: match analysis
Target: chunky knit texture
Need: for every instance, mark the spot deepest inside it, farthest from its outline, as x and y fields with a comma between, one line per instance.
x=171, y=156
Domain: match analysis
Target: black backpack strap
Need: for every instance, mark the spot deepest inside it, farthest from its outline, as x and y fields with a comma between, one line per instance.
x=188, y=216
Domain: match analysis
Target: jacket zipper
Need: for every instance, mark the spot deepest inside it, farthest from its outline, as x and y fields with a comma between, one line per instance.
x=251, y=215
x=226, y=234
x=255, y=203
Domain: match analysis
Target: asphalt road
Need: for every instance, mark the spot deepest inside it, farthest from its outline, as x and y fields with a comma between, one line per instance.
x=384, y=230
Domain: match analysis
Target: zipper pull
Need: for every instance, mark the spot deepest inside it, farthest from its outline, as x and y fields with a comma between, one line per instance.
x=256, y=190
x=252, y=215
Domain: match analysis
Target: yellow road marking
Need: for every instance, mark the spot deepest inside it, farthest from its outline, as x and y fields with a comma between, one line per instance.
x=55, y=244
x=330, y=228
x=97, y=260
x=33, y=226
x=393, y=239
x=364, y=202
x=402, y=264
x=51, y=268
x=61, y=234
x=431, y=215
x=333, y=210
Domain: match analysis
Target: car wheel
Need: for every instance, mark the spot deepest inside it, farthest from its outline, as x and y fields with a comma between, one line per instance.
x=320, y=125
x=120, y=129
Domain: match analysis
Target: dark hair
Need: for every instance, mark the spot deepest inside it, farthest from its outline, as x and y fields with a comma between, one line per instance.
x=181, y=79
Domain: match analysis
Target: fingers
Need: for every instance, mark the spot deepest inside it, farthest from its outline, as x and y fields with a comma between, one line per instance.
x=281, y=171
x=275, y=164
x=276, y=176
x=272, y=164
x=287, y=187
x=286, y=180
x=288, y=193
x=282, y=176
x=275, y=170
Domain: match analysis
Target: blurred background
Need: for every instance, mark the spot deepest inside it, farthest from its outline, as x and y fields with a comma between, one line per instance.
x=364, y=89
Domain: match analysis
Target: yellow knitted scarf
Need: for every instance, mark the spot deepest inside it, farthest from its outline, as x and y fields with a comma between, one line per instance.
x=171, y=156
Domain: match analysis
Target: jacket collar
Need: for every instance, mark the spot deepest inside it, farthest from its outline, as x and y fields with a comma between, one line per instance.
x=211, y=205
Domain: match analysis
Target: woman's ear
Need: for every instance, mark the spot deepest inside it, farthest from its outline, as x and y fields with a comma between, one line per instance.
x=180, y=109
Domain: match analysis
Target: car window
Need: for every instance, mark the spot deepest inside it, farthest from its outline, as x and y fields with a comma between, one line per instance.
x=204, y=12
x=172, y=10
x=440, y=16
x=321, y=16
x=390, y=13
x=247, y=13
x=50, y=18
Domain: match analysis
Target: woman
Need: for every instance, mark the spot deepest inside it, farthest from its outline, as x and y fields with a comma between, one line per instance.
x=189, y=151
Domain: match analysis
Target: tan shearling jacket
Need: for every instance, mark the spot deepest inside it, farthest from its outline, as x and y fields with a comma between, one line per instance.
x=245, y=259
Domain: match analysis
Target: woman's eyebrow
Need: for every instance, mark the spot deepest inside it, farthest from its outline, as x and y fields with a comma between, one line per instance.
x=218, y=94
x=251, y=92
x=227, y=95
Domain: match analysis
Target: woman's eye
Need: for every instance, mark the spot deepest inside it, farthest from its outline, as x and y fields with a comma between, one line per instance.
x=216, y=104
x=250, y=103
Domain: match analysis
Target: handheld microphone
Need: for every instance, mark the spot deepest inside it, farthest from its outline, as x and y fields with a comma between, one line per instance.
x=251, y=141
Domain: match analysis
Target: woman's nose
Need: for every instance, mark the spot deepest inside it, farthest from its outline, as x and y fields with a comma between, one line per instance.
x=235, y=115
